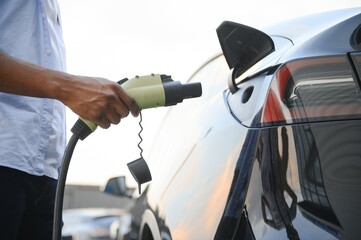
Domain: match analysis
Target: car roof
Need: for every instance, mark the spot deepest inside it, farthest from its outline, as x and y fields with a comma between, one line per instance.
x=301, y=28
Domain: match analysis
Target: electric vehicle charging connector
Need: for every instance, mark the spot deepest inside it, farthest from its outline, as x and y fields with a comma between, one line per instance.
x=148, y=91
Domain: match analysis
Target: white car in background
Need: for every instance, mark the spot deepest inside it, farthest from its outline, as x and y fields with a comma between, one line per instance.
x=89, y=223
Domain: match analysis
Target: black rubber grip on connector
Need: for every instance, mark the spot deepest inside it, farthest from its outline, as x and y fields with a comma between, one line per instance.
x=81, y=129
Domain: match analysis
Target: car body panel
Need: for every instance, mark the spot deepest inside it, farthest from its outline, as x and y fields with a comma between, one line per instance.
x=195, y=152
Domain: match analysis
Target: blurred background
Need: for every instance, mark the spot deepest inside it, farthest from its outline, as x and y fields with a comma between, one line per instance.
x=115, y=39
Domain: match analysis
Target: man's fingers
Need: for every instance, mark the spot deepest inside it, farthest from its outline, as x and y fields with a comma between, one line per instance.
x=114, y=117
x=134, y=108
x=129, y=102
x=121, y=109
x=103, y=122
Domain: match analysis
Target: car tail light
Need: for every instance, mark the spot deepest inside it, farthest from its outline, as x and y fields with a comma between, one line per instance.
x=313, y=89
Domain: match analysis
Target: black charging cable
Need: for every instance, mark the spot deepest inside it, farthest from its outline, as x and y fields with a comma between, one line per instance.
x=80, y=131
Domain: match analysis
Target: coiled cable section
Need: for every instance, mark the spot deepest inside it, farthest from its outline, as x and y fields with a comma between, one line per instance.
x=139, y=134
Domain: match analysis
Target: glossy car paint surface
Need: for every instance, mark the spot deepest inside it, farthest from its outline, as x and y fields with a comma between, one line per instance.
x=277, y=159
x=199, y=173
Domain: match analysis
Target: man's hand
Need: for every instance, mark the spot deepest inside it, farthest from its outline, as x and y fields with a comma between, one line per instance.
x=98, y=100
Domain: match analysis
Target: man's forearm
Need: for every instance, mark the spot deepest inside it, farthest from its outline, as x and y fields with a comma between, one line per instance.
x=22, y=78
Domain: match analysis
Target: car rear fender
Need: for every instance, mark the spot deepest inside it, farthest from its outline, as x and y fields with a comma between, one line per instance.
x=149, y=223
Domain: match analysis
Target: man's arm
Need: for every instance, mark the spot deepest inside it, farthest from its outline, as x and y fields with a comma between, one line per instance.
x=96, y=99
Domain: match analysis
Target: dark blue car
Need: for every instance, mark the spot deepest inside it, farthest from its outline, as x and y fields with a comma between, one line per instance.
x=272, y=149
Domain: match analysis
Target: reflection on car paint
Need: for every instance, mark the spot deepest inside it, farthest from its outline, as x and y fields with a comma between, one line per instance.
x=273, y=167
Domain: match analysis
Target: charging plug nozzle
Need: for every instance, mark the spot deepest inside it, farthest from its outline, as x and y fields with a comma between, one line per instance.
x=175, y=92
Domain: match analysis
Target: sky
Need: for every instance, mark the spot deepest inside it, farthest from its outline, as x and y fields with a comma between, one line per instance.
x=115, y=39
